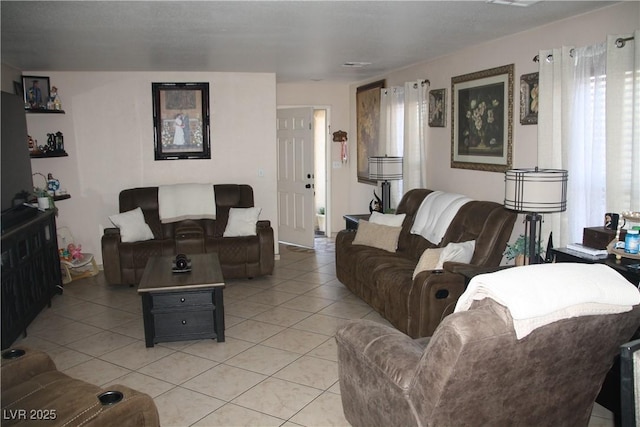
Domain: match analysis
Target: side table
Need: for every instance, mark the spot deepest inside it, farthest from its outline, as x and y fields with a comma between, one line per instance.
x=351, y=220
x=623, y=266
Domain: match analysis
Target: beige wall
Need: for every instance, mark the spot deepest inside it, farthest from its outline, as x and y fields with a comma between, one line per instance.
x=518, y=49
x=108, y=133
x=334, y=97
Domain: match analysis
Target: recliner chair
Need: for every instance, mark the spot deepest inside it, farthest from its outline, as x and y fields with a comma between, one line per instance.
x=473, y=371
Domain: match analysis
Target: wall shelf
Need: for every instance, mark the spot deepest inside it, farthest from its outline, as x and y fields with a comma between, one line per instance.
x=42, y=111
x=47, y=155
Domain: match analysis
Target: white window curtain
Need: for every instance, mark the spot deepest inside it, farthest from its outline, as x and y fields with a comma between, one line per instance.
x=403, y=117
x=588, y=124
x=392, y=132
x=415, y=148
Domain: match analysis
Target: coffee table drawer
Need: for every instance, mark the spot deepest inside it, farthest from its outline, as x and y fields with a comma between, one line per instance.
x=184, y=323
x=182, y=299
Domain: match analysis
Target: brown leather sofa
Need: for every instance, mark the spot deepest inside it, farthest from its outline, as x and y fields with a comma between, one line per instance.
x=384, y=279
x=475, y=372
x=240, y=257
x=34, y=392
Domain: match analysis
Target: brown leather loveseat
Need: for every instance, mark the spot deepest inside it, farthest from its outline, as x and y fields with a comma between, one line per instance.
x=384, y=279
x=240, y=257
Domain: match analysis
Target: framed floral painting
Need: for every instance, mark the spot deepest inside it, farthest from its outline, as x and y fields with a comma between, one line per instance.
x=181, y=121
x=482, y=120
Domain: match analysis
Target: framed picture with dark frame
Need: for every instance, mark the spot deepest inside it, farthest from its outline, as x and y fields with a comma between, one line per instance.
x=482, y=120
x=437, y=108
x=35, y=92
x=368, y=127
x=181, y=121
x=529, y=99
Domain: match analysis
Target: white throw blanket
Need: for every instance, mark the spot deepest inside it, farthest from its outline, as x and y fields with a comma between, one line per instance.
x=186, y=201
x=436, y=213
x=537, y=295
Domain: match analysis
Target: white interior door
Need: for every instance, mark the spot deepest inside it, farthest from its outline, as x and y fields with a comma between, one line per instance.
x=296, y=212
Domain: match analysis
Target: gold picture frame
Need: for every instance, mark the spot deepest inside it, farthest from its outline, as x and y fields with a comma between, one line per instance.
x=529, y=99
x=482, y=120
x=368, y=127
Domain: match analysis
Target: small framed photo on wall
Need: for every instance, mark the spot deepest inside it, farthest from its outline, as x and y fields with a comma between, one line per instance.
x=529, y=99
x=36, y=92
x=437, y=108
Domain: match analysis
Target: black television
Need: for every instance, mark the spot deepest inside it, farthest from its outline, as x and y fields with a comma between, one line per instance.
x=15, y=172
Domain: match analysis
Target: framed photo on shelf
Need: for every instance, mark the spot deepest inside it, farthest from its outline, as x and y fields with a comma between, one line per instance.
x=529, y=99
x=368, y=126
x=35, y=92
x=437, y=108
x=181, y=121
x=482, y=120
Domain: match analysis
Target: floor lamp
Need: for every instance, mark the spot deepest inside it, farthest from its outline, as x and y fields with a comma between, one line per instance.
x=385, y=169
x=534, y=192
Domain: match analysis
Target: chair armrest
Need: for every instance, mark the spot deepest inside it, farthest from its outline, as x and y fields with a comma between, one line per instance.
x=263, y=223
x=388, y=351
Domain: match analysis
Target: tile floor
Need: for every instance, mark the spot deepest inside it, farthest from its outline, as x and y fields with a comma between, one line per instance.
x=278, y=366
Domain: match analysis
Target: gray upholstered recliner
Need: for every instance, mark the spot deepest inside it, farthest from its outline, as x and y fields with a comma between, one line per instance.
x=474, y=372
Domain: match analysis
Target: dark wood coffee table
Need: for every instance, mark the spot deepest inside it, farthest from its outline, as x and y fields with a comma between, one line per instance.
x=182, y=306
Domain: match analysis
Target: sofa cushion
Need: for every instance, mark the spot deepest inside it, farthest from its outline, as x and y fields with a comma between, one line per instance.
x=132, y=226
x=378, y=236
x=242, y=222
x=457, y=252
x=428, y=260
x=387, y=219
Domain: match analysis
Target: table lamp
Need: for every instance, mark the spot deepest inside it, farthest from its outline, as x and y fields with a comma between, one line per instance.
x=535, y=191
x=385, y=169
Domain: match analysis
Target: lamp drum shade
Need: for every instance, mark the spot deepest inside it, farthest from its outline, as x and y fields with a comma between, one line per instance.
x=385, y=168
x=536, y=190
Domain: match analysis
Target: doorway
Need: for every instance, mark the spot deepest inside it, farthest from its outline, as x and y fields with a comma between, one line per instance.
x=303, y=201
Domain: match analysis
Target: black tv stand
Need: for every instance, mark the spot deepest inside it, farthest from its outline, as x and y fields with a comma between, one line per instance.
x=30, y=272
x=16, y=215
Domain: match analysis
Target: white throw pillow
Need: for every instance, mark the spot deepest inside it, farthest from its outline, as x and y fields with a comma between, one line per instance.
x=428, y=260
x=377, y=236
x=242, y=222
x=387, y=219
x=458, y=252
x=132, y=226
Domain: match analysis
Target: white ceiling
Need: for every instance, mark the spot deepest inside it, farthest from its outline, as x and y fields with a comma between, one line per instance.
x=297, y=40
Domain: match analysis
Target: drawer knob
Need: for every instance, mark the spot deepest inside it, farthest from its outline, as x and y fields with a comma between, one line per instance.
x=184, y=322
x=182, y=300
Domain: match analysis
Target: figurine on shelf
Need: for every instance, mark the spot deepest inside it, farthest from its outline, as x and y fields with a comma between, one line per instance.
x=33, y=144
x=53, y=185
x=59, y=141
x=54, y=98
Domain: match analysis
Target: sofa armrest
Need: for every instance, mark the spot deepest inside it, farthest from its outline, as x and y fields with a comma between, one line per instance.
x=267, y=246
x=388, y=351
x=22, y=368
x=434, y=296
x=111, y=255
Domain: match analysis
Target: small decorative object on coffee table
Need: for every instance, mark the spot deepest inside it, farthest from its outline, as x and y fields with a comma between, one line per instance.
x=180, y=307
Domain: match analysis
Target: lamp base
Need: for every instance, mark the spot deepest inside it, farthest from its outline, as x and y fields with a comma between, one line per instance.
x=386, y=196
x=533, y=230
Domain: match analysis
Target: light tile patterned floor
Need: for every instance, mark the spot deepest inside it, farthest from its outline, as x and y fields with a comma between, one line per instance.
x=278, y=366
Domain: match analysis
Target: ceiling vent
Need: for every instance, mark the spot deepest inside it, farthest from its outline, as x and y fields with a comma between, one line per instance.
x=355, y=64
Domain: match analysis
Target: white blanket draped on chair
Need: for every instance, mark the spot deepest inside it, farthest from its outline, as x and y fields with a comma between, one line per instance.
x=436, y=213
x=178, y=202
x=537, y=295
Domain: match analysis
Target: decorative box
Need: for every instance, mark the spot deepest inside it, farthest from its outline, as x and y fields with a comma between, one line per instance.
x=600, y=237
